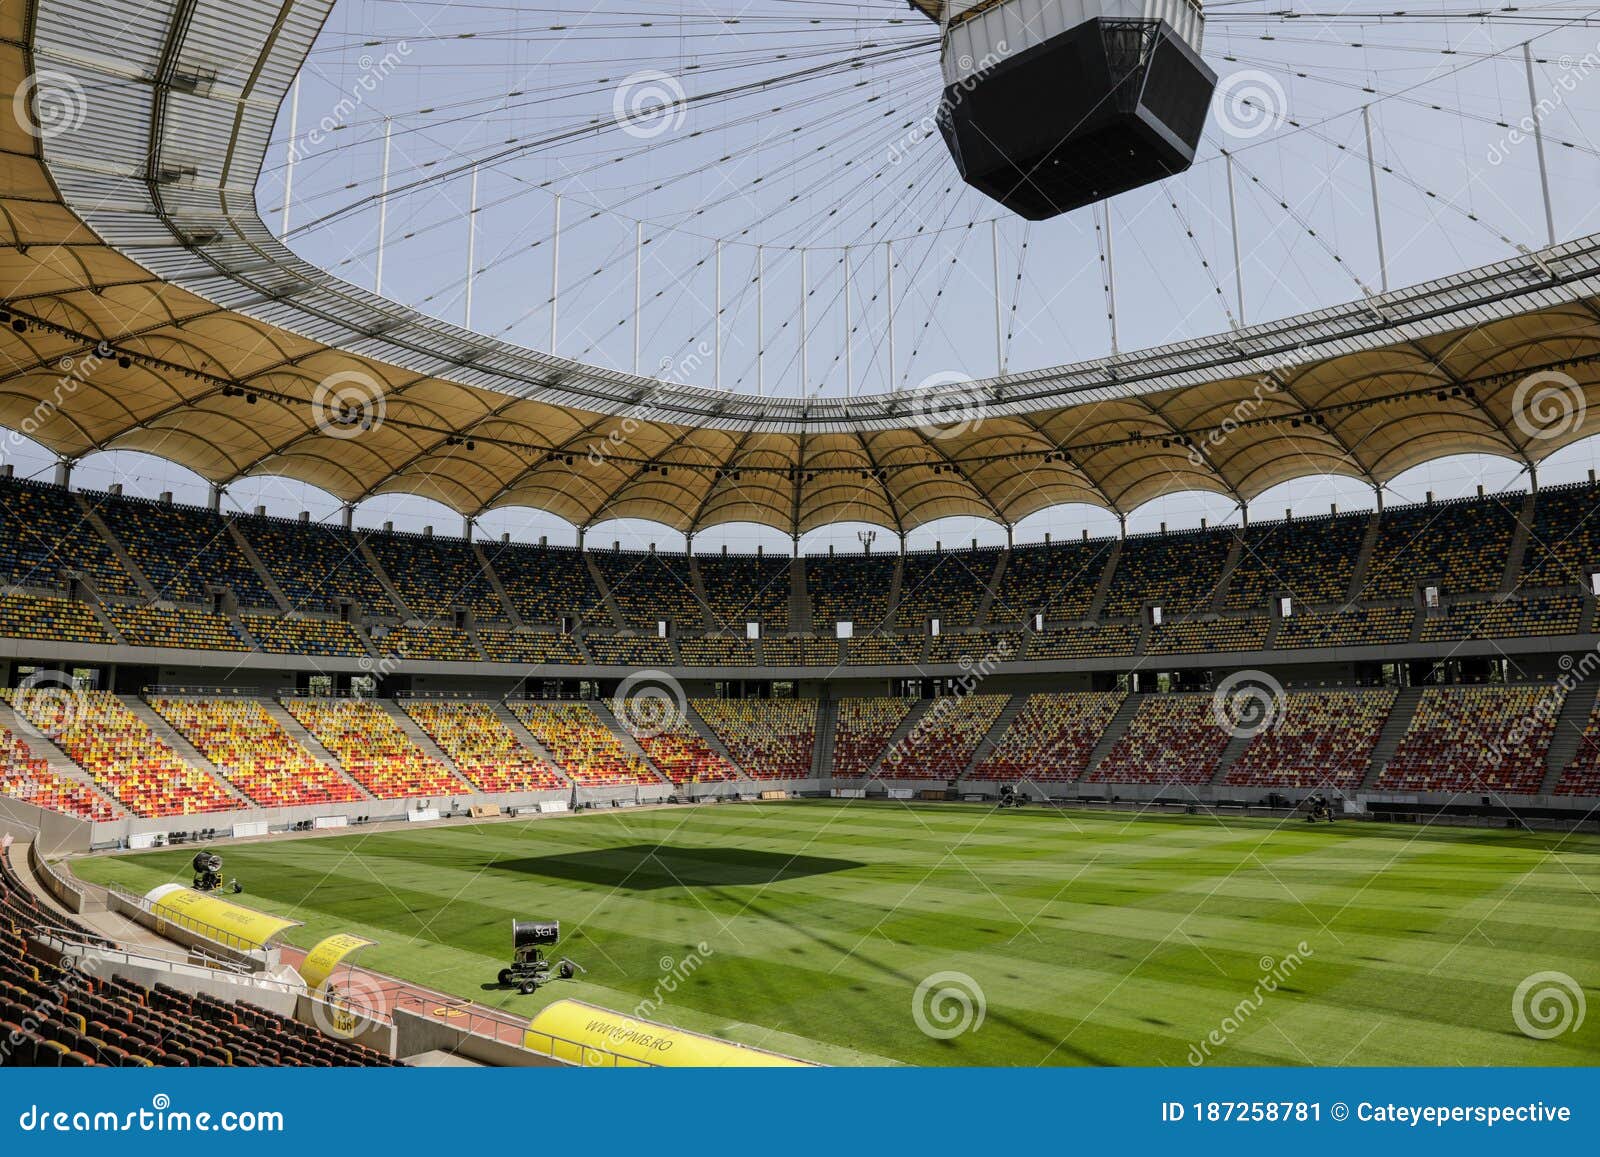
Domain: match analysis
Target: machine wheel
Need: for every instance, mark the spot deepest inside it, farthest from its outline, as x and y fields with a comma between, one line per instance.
x=527, y=987
x=505, y=976
x=566, y=971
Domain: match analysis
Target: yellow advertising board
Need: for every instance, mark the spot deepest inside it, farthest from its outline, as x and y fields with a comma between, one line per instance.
x=212, y=916
x=586, y=1034
x=328, y=954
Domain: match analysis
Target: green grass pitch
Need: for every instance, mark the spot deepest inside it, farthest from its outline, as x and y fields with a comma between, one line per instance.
x=1094, y=939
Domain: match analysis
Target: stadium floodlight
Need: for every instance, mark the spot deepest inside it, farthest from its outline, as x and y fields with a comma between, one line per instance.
x=1050, y=105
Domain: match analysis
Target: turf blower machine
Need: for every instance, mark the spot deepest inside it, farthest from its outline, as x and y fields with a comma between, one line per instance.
x=208, y=874
x=529, y=968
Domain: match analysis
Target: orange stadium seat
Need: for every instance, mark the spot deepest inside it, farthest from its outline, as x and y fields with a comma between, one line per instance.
x=944, y=738
x=1476, y=739
x=1171, y=739
x=582, y=746
x=125, y=758
x=255, y=752
x=1051, y=738
x=481, y=746
x=372, y=749
x=768, y=738
x=862, y=730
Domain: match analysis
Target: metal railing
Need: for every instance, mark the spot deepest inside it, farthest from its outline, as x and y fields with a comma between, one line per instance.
x=473, y=1021
x=195, y=957
x=221, y=937
x=55, y=882
x=184, y=689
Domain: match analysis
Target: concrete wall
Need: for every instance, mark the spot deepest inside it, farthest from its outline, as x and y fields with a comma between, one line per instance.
x=1536, y=656
x=273, y=994
x=415, y=1034
x=54, y=833
x=116, y=832
x=65, y=891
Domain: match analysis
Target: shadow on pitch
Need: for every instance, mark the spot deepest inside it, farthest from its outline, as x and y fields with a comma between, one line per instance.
x=645, y=867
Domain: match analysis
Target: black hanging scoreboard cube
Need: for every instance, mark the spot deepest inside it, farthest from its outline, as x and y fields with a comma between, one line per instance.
x=1044, y=116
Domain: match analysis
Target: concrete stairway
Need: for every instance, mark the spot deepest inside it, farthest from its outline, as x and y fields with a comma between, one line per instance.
x=1103, y=587
x=1568, y=735
x=1273, y=628
x=712, y=739
x=607, y=599
x=827, y=733
x=376, y=567
x=602, y=711
x=1230, y=755
x=997, y=730
x=1394, y=729
x=907, y=725
x=799, y=596
x=1518, y=550
x=103, y=616
x=1358, y=573
x=896, y=584
x=1219, y=596
x=486, y=565
x=697, y=583
x=980, y=617
x=238, y=623
x=181, y=747
x=92, y=517
x=292, y=728
x=258, y=566
x=1419, y=622
x=414, y=732
x=54, y=758
x=1114, y=731
x=525, y=737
